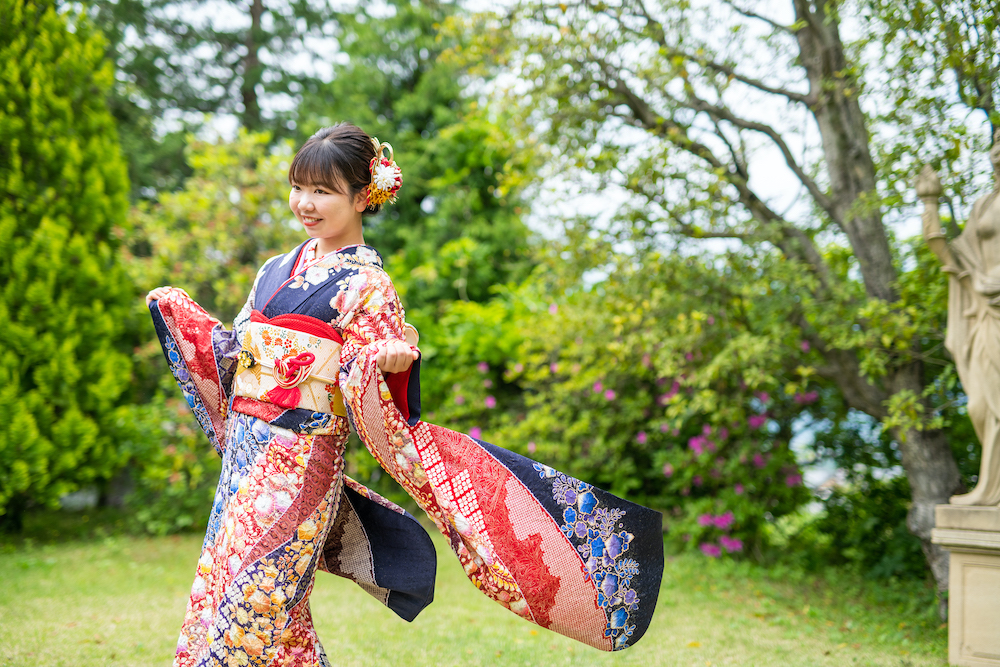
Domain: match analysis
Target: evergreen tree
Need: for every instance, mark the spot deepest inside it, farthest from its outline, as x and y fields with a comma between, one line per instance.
x=64, y=298
x=184, y=58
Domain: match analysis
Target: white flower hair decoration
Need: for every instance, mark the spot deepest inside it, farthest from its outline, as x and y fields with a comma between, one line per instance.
x=386, y=176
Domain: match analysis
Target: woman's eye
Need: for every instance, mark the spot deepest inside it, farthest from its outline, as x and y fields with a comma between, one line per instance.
x=320, y=191
x=295, y=188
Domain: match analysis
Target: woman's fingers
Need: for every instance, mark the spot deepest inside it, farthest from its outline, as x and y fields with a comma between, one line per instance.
x=395, y=357
x=156, y=294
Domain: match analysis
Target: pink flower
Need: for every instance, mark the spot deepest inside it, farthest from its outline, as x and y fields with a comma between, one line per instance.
x=490, y=402
x=804, y=345
x=689, y=356
x=696, y=480
x=646, y=360
x=476, y=432
x=731, y=544
x=723, y=433
x=738, y=489
x=483, y=367
x=553, y=309
x=459, y=400
x=710, y=550
x=553, y=368
x=675, y=432
x=710, y=320
x=706, y=429
x=532, y=447
x=705, y=520
x=668, y=470
x=697, y=444
x=598, y=387
x=519, y=368
x=806, y=398
x=724, y=521
x=610, y=394
x=758, y=460
x=664, y=428
x=793, y=480
x=641, y=437
x=487, y=383
x=756, y=421
x=763, y=396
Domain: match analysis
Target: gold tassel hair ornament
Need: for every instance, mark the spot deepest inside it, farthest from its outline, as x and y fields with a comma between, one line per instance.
x=386, y=176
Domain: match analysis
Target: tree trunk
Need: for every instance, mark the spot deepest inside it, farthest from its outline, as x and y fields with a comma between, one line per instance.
x=252, y=69
x=927, y=458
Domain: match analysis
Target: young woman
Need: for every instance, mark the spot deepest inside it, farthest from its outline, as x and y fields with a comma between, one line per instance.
x=322, y=346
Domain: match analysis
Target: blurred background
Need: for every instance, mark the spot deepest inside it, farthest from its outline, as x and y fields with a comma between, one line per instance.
x=637, y=242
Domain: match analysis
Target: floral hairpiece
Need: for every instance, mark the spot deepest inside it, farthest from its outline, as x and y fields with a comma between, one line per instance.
x=386, y=176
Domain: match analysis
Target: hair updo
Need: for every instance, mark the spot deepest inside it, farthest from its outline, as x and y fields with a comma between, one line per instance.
x=338, y=157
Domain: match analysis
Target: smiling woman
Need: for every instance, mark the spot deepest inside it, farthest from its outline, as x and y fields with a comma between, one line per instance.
x=321, y=346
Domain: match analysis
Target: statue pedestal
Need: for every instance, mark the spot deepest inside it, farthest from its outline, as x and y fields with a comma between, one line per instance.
x=972, y=536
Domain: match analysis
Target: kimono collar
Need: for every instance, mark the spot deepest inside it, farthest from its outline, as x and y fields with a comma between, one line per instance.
x=358, y=255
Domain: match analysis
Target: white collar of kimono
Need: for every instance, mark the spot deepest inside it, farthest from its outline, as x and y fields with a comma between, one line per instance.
x=357, y=253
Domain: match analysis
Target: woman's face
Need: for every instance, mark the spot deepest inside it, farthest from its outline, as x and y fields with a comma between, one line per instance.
x=326, y=214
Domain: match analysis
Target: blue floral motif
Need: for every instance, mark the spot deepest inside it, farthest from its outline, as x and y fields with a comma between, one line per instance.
x=599, y=536
x=190, y=391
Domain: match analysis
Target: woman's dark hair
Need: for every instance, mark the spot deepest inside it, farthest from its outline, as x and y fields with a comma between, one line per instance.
x=337, y=157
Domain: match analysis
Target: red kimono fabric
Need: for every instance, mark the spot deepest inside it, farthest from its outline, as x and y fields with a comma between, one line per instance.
x=554, y=550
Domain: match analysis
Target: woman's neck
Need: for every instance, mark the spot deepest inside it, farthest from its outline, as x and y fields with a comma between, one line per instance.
x=325, y=246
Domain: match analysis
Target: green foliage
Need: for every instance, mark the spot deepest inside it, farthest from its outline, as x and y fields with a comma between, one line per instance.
x=211, y=236
x=456, y=229
x=862, y=527
x=174, y=471
x=180, y=63
x=664, y=381
x=65, y=300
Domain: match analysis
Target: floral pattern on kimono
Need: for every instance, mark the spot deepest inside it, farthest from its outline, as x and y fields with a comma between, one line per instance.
x=554, y=550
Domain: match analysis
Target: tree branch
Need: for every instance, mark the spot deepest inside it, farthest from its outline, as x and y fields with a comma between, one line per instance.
x=793, y=242
x=754, y=15
x=659, y=36
x=715, y=111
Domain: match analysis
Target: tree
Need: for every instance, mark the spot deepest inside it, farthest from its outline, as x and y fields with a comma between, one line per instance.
x=658, y=99
x=65, y=300
x=182, y=59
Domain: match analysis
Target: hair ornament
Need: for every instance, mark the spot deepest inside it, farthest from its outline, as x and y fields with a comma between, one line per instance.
x=386, y=176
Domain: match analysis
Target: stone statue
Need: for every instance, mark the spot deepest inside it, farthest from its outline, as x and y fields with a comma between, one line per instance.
x=972, y=261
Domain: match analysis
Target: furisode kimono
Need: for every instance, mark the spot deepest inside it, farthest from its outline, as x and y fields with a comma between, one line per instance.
x=276, y=397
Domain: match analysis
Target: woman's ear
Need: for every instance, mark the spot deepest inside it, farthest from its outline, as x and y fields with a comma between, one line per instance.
x=361, y=200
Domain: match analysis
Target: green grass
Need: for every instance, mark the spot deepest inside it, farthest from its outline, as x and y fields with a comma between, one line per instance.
x=120, y=601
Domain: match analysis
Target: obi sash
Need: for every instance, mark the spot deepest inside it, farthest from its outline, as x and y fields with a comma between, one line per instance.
x=291, y=361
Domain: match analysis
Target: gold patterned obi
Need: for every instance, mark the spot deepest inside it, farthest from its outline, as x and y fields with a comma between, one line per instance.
x=291, y=361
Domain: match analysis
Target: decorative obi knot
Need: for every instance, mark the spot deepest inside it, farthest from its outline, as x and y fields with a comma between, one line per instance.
x=289, y=372
x=291, y=361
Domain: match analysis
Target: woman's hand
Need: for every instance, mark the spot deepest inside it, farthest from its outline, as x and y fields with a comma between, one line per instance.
x=395, y=357
x=161, y=292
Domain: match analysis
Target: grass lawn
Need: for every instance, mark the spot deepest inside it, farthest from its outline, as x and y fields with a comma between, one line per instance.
x=120, y=601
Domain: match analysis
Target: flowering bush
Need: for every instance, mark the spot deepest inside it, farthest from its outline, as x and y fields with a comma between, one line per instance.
x=654, y=386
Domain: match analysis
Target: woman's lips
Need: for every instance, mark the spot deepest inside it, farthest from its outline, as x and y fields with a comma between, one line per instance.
x=311, y=222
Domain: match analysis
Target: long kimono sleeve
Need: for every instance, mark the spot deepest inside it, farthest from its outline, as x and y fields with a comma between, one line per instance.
x=202, y=356
x=552, y=549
